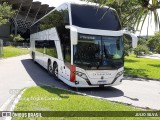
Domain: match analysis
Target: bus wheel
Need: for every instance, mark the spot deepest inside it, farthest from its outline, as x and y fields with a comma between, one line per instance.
x=33, y=56
x=50, y=67
x=55, y=70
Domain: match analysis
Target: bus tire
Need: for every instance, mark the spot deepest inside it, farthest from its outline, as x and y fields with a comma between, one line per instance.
x=33, y=56
x=49, y=67
x=55, y=70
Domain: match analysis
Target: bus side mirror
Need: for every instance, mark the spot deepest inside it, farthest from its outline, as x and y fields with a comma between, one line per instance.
x=73, y=34
x=134, y=38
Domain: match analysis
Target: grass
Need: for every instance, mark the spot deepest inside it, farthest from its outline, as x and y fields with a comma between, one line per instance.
x=10, y=51
x=142, y=67
x=67, y=101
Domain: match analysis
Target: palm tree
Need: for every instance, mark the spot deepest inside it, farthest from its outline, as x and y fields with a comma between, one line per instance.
x=148, y=8
x=133, y=13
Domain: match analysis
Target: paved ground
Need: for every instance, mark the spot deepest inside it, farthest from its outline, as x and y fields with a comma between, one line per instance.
x=19, y=72
x=154, y=56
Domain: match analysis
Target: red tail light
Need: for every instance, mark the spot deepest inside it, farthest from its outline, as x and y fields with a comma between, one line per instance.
x=72, y=73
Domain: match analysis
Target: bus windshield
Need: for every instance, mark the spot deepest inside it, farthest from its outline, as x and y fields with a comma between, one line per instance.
x=93, y=17
x=98, y=52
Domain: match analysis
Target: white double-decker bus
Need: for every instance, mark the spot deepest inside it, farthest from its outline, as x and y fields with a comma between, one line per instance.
x=80, y=44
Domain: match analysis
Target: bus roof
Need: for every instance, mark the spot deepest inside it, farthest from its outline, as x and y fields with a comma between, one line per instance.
x=79, y=3
x=85, y=3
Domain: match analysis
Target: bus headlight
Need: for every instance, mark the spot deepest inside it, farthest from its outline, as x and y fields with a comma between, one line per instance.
x=82, y=75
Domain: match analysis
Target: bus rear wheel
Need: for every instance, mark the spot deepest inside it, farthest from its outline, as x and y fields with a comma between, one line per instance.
x=33, y=56
x=55, y=70
x=50, y=69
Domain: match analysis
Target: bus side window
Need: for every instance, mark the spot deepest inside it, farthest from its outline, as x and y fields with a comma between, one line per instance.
x=51, y=48
x=67, y=52
x=39, y=46
x=64, y=35
x=57, y=18
x=66, y=17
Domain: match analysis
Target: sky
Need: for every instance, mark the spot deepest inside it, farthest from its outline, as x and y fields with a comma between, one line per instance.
x=151, y=29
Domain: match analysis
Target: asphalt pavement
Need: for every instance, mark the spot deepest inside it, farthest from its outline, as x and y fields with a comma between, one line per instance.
x=20, y=72
x=153, y=56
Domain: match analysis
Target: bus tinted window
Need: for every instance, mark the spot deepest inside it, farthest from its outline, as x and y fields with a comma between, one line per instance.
x=39, y=46
x=54, y=19
x=67, y=51
x=65, y=43
x=93, y=17
x=51, y=48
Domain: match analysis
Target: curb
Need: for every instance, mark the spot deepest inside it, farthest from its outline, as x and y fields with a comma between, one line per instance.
x=9, y=100
x=13, y=56
x=139, y=78
x=101, y=98
x=15, y=101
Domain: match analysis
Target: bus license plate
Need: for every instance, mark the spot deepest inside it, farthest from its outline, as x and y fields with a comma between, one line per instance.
x=102, y=82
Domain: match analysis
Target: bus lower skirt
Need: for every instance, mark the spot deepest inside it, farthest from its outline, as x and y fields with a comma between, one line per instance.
x=101, y=86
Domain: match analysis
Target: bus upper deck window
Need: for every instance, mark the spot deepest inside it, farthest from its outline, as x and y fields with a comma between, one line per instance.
x=66, y=19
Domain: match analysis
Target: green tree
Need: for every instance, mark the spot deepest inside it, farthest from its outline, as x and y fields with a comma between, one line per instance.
x=153, y=41
x=5, y=13
x=158, y=48
x=141, y=50
x=142, y=47
x=142, y=41
x=16, y=38
x=127, y=44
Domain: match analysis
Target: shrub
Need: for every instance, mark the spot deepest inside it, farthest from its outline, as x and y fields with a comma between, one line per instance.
x=16, y=38
x=158, y=48
x=153, y=40
x=141, y=50
x=142, y=41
